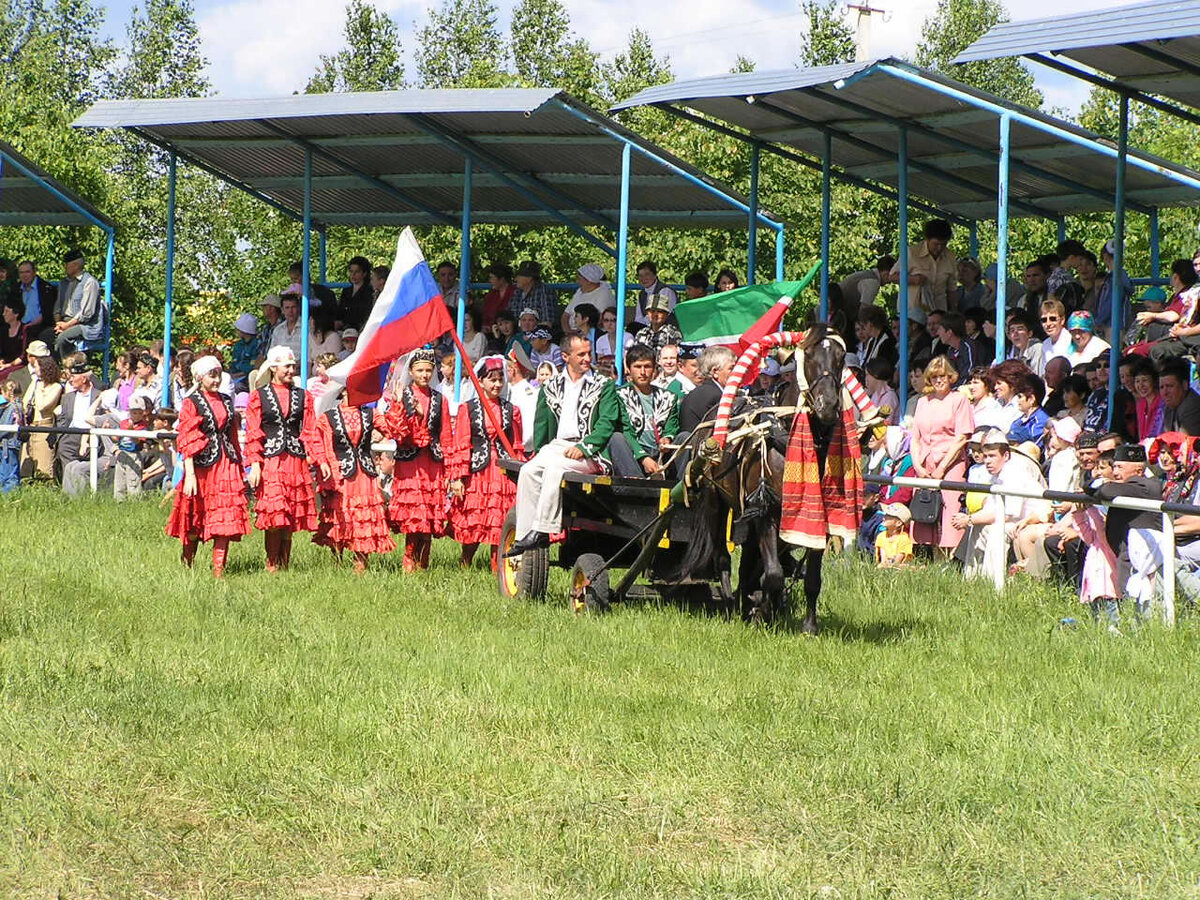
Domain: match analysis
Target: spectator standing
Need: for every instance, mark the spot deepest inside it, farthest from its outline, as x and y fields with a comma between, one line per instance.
x=10, y=441
x=318, y=294
x=14, y=337
x=37, y=295
x=859, y=289
x=1107, y=297
x=127, y=461
x=647, y=276
x=940, y=430
x=932, y=268
x=357, y=300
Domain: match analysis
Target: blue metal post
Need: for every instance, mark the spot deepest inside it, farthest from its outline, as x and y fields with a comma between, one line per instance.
x=323, y=258
x=464, y=275
x=1155, y=237
x=902, y=191
x=622, y=262
x=1118, y=299
x=1062, y=228
x=302, y=363
x=973, y=245
x=169, y=301
x=1002, y=234
x=779, y=254
x=108, y=284
x=826, y=209
x=752, y=236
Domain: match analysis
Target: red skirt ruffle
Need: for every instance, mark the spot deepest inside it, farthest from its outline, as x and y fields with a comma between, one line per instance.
x=418, y=496
x=285, y=495
x=217, y=509
x=489, y=496
x=352, y=518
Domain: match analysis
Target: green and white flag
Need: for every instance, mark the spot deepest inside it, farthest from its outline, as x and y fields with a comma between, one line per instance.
x=726, y=318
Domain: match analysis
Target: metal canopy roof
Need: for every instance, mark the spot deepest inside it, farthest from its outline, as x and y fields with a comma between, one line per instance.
x=953, y=142
x=1152, y=47
x=28, y=196
x=397, y=157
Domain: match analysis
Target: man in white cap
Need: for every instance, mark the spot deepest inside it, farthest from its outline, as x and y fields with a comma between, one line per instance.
x=593, y=289
x=349, y=342
x=245, y=351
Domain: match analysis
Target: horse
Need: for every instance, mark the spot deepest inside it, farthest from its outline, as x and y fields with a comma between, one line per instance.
x=747, y=479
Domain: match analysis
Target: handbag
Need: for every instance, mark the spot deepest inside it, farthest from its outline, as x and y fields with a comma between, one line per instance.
x=926, y=506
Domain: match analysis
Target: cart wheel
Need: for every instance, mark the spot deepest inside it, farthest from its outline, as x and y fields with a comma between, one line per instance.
x=525, y=575
x=589, y=590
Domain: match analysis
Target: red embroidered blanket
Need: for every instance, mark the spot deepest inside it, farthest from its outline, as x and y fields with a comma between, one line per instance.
x=815, y=507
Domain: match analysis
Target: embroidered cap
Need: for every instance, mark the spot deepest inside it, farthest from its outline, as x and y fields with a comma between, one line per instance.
x=422, y=355
x=540, y=334
x=1130, y=453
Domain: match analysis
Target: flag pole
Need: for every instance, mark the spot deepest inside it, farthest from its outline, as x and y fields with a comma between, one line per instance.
x=487, y=407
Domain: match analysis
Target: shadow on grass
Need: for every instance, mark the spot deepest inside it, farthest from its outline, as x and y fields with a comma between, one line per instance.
x=852, y=631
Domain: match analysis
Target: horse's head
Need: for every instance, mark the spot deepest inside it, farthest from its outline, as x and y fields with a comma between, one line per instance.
x=823, y=357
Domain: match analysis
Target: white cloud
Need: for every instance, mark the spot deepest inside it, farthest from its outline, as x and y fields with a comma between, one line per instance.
x=262, y=48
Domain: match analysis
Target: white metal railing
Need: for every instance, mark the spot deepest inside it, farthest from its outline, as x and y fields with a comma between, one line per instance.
x=996, y=529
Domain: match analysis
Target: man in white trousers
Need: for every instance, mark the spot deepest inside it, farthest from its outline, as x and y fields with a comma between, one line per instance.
x=577, y=413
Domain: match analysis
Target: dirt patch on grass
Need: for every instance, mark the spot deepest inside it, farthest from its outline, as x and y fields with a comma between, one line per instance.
x=362, y=887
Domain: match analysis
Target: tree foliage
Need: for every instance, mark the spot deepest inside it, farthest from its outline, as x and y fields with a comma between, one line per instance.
x=460, y=46
x=371, y=59
x=828, y=40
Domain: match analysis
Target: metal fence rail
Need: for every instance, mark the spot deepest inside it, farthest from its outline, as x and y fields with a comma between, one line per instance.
x=996, y=529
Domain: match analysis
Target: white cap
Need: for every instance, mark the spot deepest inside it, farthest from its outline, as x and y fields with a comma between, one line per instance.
x=349, y=333
x=247, y=323
x=204, y=365
x=591, y=272
x=770, y=367
x=280, y=355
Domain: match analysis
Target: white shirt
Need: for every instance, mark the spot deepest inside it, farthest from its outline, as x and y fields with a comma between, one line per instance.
x=1095, y=347
x=684, y=382
x=523, y=395
x=282, y=337
x=601, y=298
x=568, y=421
x=1061, y=347
x=861, y=286
x=83, y=408
x=604, y=345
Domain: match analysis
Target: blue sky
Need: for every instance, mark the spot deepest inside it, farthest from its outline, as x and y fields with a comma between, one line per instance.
x=262, y=48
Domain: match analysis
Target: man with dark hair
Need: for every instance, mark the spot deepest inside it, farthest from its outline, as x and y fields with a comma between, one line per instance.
x=1025, y=346
x=446, y=275
x=932, y=268
x=962, y=351
x=647, y=276
x=354, y=307
x=859, y=289
x=1033, y=419
x=695, y=285
x=1035, y=287
x=1182, y=404
x=318, y=294
x=37, y=295
x=649, y=418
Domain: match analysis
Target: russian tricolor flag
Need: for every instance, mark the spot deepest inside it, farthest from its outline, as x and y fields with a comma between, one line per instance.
x=408, y=314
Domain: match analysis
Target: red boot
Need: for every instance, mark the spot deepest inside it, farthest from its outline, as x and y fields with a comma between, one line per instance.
x=220, y=551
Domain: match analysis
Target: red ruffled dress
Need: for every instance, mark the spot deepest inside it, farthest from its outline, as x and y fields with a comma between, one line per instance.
x=286, y=498
x=488, y=493
x=219, y=506
x=352, y=516
x=418, y=423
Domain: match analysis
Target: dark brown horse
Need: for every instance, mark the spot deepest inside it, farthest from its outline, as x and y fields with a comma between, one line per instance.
x=747, y=480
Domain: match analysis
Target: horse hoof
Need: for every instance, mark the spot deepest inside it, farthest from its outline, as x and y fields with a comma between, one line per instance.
x=809, y=628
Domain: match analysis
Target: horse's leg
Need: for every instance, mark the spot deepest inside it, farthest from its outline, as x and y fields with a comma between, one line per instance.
x=749, y=576
x=772, y=577
x=812, y=589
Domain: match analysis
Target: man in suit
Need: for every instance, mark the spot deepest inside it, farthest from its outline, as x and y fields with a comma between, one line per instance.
x=39, y=298
x=700, y=405
x=72, y=453
x=877, y=342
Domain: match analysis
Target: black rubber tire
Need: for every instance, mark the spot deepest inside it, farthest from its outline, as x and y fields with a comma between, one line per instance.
x=527, y=575
x=597, y=595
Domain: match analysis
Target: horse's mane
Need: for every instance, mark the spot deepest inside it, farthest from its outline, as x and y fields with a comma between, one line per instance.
x=816, y=333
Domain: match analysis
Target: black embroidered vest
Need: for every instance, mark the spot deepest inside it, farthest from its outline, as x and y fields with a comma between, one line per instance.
x=433, y=422
x=353, y=456
x=282, y=434
x=481, y=446
x=218, y=440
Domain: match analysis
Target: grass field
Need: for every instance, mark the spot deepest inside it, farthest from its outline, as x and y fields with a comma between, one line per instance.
x=323, y=735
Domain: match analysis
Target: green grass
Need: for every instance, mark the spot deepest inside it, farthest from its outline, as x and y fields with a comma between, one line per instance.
x=323, y=735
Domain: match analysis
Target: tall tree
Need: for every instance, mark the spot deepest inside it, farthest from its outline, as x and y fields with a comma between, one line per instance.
x=460, y=46
x=635, y=68
x=954, y=26
x=370, y=61
x=547, y=54
x=828, y=40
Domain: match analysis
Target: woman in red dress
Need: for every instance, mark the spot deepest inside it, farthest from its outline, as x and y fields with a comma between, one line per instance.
x=417, y=421
x=352, y=516
x=281, y=437
x=211, y=502
x=483, y=490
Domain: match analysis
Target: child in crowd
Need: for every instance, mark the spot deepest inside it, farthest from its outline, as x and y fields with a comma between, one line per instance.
x=545, y=372
x=127, y=467
x=893, y=545
x=879, y=373
x=245, y=352
x=159, y=458
x=10, y=442
x=319, y=383
x=544, y=349
x=349, y=343
x=1032, y=423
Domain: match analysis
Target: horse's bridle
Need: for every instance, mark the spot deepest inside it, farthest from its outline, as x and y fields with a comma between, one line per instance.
x=805, y=393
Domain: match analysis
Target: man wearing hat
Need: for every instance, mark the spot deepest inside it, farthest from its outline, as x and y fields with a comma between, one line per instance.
x=687, y=376
x=998, y=460
x=544, y=350
x=1085, y=346
x=532, y=293
x=519, y=390
x=85, y=312
x=72, y=453
x=659, y=332
x=647, y=276
x=245, y=351
x=1134, y=535
x=593, y=289
x=272, y=313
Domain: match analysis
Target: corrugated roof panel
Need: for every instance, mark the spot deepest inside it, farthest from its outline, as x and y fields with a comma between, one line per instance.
x=560, y=153
x=37, y=199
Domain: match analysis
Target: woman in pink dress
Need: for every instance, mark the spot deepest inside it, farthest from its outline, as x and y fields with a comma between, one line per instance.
x=941, y=427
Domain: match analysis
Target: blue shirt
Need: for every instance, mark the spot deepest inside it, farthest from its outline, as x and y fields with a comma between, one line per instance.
x=33, y=307
x=1029, y=428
